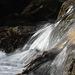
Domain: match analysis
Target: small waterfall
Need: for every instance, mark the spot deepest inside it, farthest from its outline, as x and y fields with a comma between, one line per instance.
x=40, y=40
x=49, y=37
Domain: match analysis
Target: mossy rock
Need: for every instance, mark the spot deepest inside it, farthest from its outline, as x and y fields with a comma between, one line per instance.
x=14, y=37
x=65, y=5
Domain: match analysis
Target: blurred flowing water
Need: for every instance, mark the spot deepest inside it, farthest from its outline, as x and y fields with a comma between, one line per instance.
x=45, y=39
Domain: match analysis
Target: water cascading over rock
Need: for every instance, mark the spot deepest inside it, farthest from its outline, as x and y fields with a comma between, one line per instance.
x=50, y=51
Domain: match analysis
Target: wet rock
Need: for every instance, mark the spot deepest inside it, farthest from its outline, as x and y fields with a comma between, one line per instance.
x=14, y=37
x=64, y=7
x=41, y=59
x=42, y=62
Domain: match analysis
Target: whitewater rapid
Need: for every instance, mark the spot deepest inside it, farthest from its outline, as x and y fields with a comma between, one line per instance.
x=14, y=63
x=48, y=37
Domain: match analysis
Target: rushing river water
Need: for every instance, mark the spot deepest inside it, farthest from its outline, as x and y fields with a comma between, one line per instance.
x=51, y=36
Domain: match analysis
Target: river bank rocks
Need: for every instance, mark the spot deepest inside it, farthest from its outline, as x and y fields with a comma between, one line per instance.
x=18, y=20
x=23, y=14
x=14, y=37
